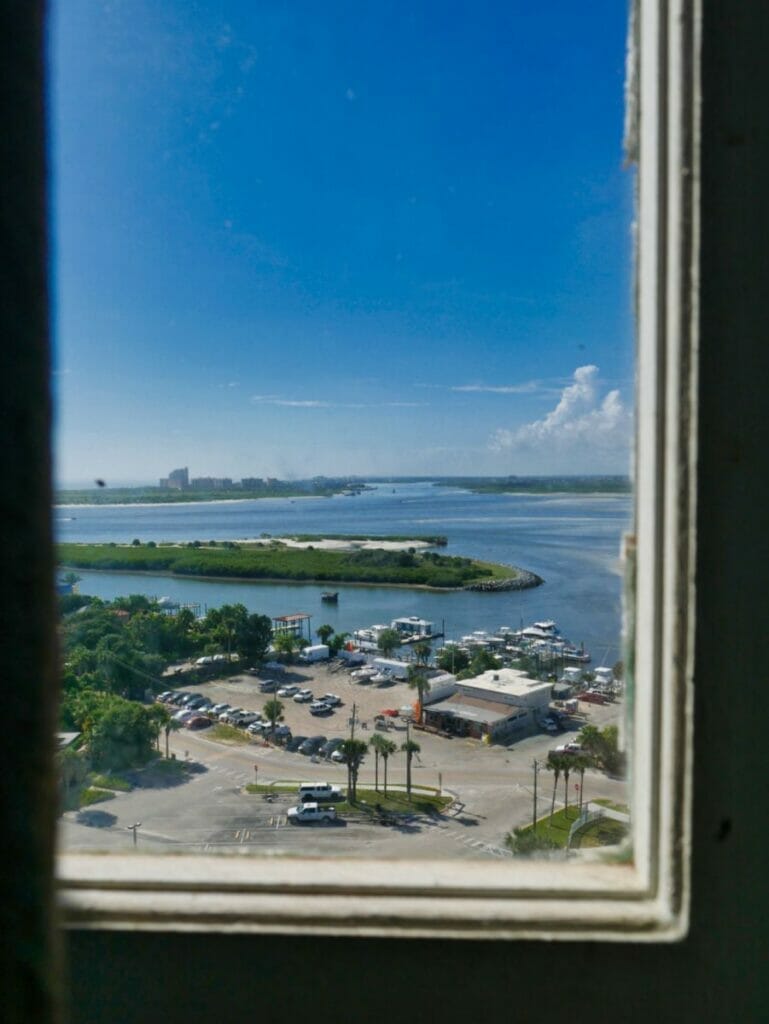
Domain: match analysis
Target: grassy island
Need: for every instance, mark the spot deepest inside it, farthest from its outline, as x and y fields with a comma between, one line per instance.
x=540, y=484
x=275, y=561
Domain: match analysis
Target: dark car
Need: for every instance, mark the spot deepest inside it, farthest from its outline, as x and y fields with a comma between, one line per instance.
x=294, y=743
x=330, y=746
x=312, y=745
x=179, y=697
x=198, y=722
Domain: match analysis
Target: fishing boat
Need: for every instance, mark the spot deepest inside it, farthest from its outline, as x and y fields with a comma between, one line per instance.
x=330, y=596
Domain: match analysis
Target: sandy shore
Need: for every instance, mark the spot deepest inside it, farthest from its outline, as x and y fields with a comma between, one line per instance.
x=336, y=544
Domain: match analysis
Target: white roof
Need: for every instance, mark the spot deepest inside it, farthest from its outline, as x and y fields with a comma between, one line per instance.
x=510, y=683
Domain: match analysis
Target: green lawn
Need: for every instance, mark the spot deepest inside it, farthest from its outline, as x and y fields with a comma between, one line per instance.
x=114, y=782
x=91, y=795
x=558, y=830
x=605, y=832
x=227, y=734
x=396, y=802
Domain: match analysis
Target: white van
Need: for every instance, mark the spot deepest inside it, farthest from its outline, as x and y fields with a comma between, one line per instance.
x=319, y=791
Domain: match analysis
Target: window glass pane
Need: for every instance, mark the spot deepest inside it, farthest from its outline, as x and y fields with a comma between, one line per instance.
x=344, y=382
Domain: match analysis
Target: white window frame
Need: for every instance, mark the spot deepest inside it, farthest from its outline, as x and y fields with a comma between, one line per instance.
x=645, y=897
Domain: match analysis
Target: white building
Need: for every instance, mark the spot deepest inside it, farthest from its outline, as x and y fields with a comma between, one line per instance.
x=497, y=703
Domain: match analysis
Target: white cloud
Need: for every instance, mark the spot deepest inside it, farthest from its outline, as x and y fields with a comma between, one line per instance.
x=313, y=403
x=503, y=389
x=582, y=424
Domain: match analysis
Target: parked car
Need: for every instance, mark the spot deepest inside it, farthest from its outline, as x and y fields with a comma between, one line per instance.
x=569, y=748
x=179, y=696
x=281, y=731
x=183, y=716
x=197, y=722
x=248, y=719
x=316, y=792
x=312, y=745
x=331, y=699
x=258, y=727
x=330, y=746
x=319, y=707
x=163, y=697
x=303, y=697
x=268, y=686
x=231, y=715
x=310, y=812
x=338, y=756
x=295, y=743
x=219, y=709
x=288, y=690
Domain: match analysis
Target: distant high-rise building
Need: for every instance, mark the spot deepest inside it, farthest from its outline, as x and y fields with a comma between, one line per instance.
x=177, y=480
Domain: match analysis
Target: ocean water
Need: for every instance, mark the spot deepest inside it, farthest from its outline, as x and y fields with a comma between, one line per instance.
x=571, y=541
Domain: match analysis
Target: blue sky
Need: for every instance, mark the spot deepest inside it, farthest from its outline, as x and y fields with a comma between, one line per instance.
x=301, y=238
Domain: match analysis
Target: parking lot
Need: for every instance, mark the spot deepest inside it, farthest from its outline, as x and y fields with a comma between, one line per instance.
x=491, y=786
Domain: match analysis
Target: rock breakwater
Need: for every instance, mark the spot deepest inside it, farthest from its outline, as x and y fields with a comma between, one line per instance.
x=522, y=581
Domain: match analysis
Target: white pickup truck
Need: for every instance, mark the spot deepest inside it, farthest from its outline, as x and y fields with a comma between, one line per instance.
x=309, y=813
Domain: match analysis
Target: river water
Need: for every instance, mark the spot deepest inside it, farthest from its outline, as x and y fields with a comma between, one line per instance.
x=571, y=541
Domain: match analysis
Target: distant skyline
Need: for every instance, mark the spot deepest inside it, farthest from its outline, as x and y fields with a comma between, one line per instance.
x=299, y=240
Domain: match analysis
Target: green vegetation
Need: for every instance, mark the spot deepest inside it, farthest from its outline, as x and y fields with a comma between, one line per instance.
x=91, y=795
x=612, y=805
x=317, y=488
x=540, y=484
x=272, y=561
x=227, y=734
x=114, y=782
x=603, y=832
x=551, y=833
x=114, y=656
x=371, y=802
x=603, y=746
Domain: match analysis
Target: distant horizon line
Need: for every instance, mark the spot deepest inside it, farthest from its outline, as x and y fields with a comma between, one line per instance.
x=134, y=483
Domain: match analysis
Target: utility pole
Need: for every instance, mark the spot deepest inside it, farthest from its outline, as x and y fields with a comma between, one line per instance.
x=536, y=765
x=352, y=723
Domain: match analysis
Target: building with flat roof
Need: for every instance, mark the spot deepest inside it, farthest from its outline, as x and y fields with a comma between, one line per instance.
x=497, y=704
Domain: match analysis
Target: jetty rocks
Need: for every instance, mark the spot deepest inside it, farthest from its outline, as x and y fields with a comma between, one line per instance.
x=522, y=581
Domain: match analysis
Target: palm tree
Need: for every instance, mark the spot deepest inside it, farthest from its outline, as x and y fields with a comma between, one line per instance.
x=377, y=743
x=568, y=764
x=418, y=681
x=386, y=748
x=554, y=763
x=409, y=748
x=354, y=751
x=422, y=652
x=171, y=726
x=159, y=715
x=591, y=740
x=324, y=632
x=579, y=764
x=273, y=712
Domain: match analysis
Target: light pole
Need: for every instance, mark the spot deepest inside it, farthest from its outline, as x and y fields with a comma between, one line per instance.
x=133, y=829
x=537, y=767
